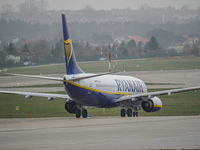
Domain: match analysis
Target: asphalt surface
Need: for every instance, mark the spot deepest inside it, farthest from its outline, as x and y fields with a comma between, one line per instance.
x=101, y=133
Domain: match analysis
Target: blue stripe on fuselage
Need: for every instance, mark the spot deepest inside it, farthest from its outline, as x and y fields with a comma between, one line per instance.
x=88, y=97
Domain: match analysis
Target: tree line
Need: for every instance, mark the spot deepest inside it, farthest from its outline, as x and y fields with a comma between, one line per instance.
x=43, y=51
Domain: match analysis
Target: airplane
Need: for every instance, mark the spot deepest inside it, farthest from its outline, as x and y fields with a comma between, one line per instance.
x=103, y=90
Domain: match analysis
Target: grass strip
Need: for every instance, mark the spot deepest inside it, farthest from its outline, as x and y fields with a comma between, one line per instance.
x=180, y=104
x=153, y=64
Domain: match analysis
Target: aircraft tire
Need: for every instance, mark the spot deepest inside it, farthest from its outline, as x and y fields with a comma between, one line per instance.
x=78, y=113
x=136, y=114
x=129, y=112
x=123, y=112
x=84, y=113
x=133, y=114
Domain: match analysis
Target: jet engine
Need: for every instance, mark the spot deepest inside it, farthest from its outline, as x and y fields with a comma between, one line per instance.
x=70, y=106
x=152, y=105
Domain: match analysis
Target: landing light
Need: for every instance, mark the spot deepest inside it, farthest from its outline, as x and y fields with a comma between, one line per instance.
x=170, y=93
x=28, y=96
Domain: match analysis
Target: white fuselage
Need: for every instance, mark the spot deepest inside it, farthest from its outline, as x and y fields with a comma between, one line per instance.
x=111, y=87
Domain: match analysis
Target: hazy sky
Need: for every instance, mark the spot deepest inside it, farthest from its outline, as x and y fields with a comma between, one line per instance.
x=109, y=4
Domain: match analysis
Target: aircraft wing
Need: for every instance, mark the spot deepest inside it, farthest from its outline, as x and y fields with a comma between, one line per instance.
x=146, y=96
x=31, y=94
x=35, y=76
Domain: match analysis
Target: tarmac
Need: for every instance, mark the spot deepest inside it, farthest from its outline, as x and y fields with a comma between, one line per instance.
x=101, y=133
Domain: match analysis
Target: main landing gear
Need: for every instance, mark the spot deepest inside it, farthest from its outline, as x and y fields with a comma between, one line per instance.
x=78, y=110
x=129, y=112
x=82, y=112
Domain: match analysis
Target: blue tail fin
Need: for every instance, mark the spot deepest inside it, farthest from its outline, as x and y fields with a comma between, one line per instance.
x=71, y=64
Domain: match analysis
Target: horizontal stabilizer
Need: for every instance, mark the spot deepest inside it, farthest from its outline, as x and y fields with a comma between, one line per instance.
x=92, y=76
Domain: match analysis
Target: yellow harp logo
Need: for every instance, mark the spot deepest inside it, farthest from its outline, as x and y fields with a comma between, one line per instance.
x=68, y=49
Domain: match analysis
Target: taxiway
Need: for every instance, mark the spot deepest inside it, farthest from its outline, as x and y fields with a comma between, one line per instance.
x=101, y=133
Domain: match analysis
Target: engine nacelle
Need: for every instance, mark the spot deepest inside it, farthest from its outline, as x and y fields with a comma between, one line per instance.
x=70, y=106
x=152, y=105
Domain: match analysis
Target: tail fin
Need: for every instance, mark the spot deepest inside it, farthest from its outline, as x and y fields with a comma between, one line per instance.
x=71, y=64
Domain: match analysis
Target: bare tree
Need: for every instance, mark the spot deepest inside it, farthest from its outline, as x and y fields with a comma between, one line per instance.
x=42, y=5
x=33, y=5
x=7, y=8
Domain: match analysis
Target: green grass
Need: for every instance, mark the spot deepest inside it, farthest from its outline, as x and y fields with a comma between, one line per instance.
x=154, y=64
x=182, y=104
x=37, y=106
x=39, y=70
